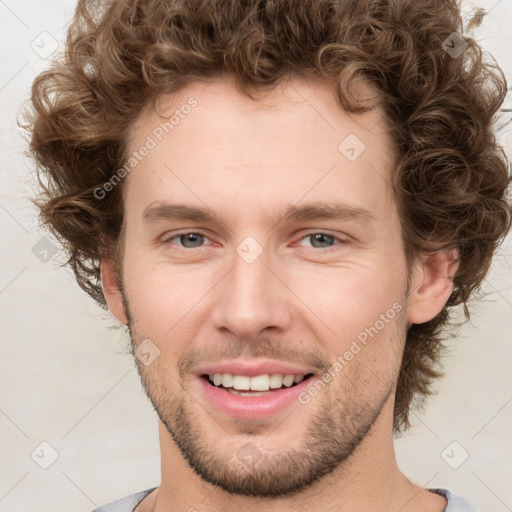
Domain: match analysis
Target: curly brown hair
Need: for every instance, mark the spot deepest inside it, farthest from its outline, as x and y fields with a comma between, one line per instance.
x=450, y=178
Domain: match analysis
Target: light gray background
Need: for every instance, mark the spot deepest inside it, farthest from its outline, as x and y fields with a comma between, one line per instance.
x=66, y=378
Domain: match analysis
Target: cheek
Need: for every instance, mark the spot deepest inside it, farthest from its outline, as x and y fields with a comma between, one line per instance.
x=351, y=298
x=161, y=295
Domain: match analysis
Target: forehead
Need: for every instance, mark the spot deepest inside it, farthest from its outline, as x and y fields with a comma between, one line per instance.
x=211, y=141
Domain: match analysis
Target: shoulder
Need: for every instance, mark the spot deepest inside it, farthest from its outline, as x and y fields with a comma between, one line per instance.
x=455, y=503
x=126, y=504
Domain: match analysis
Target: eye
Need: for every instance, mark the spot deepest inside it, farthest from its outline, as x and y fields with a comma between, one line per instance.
x=320, y=239
x=188, y=239
x=195, y=239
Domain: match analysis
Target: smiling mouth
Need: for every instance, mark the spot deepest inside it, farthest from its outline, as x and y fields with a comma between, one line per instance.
x=261, y=385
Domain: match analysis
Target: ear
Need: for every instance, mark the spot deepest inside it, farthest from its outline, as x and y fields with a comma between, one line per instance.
x=431, y=284
x=112, y=291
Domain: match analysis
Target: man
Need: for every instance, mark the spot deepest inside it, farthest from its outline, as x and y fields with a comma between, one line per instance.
x=282, y=201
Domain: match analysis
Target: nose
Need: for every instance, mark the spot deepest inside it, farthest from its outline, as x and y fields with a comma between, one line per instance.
x=252, y=297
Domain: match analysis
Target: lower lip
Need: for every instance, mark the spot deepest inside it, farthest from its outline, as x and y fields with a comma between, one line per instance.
x=252, y=407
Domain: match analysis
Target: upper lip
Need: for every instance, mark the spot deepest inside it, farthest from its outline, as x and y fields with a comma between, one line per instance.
x=252, y=368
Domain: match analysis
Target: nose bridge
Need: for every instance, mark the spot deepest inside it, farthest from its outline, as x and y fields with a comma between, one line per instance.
x=252, y=298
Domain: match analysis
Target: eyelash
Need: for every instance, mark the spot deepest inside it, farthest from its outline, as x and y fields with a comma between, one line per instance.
x=327, y=249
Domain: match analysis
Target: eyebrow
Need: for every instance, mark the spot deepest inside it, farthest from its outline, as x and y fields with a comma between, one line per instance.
x=324, y=210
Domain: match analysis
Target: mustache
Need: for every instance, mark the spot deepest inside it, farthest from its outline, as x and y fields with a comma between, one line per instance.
x=262, y=348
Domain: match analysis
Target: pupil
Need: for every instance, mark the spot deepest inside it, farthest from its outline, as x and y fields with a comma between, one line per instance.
x=319, y=236
x=187, y=238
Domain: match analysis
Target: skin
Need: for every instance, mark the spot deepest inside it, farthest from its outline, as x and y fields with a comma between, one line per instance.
x=198, y=301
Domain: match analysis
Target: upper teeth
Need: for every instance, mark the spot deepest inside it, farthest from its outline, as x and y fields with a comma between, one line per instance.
x=257, y=383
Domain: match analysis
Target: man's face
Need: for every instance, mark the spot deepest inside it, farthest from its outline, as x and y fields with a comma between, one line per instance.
x=254, y=286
